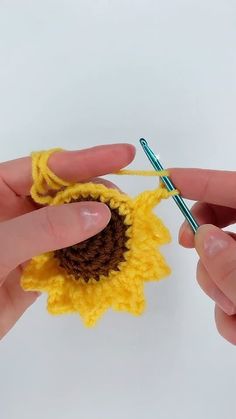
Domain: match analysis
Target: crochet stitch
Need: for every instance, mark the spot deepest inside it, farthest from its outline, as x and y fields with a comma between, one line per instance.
x=109, y=269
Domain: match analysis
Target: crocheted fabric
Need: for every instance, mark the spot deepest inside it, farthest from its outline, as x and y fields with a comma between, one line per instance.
x=109, y=269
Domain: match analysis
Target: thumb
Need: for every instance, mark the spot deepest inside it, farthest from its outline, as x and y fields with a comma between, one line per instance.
x=217, y=251
x=48, y=229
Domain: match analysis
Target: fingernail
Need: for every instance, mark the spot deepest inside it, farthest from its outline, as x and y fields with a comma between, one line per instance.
x=185, y=233
x=93, y=216
x=215, y=241
x=223, y=302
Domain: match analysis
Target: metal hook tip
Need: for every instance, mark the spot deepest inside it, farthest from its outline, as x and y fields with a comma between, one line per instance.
x=143, y=141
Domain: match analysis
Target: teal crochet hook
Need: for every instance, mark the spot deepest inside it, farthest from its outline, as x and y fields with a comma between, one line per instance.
x=169, y=185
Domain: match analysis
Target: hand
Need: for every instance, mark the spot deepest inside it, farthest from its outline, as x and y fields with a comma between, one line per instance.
x=26, y=230
x=215, y=209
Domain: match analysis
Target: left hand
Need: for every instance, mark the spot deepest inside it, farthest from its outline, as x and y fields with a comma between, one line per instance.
x=20, y=217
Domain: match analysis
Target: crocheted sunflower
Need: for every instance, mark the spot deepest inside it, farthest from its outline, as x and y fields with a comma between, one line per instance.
x=109, y=269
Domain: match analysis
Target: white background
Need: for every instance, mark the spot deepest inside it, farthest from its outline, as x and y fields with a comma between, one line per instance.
x=79, y=73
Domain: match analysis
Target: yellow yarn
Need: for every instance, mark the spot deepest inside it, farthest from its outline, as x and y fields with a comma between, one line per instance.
x=143, y=172
x=43, y=177
x=122, y=289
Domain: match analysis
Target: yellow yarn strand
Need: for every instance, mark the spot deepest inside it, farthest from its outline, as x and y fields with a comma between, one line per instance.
x=159, y=173
x=44, y=179
x=143, y=172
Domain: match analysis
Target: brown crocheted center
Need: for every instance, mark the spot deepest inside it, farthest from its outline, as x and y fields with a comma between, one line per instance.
x=99, y=254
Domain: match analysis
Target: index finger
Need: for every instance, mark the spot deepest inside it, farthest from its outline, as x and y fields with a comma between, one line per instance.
x=73, y=166
x=211, y=186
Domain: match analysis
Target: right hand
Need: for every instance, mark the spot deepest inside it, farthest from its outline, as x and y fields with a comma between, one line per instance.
x=215, y=209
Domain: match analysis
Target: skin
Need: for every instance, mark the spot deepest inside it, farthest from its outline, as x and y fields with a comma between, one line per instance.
x=215, y=209
x=68, y=224
x=56, y=226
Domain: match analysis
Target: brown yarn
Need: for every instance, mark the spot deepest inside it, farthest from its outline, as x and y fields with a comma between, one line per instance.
x=99, y=254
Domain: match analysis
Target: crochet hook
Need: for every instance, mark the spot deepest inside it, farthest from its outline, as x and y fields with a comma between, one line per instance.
x=169, y=185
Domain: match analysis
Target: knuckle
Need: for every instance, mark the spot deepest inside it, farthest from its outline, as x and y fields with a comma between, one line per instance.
x=4, y=189
x=48, y=225
x=4, y=270
x=56, y=226
x=228, y=272
x=206, y=187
